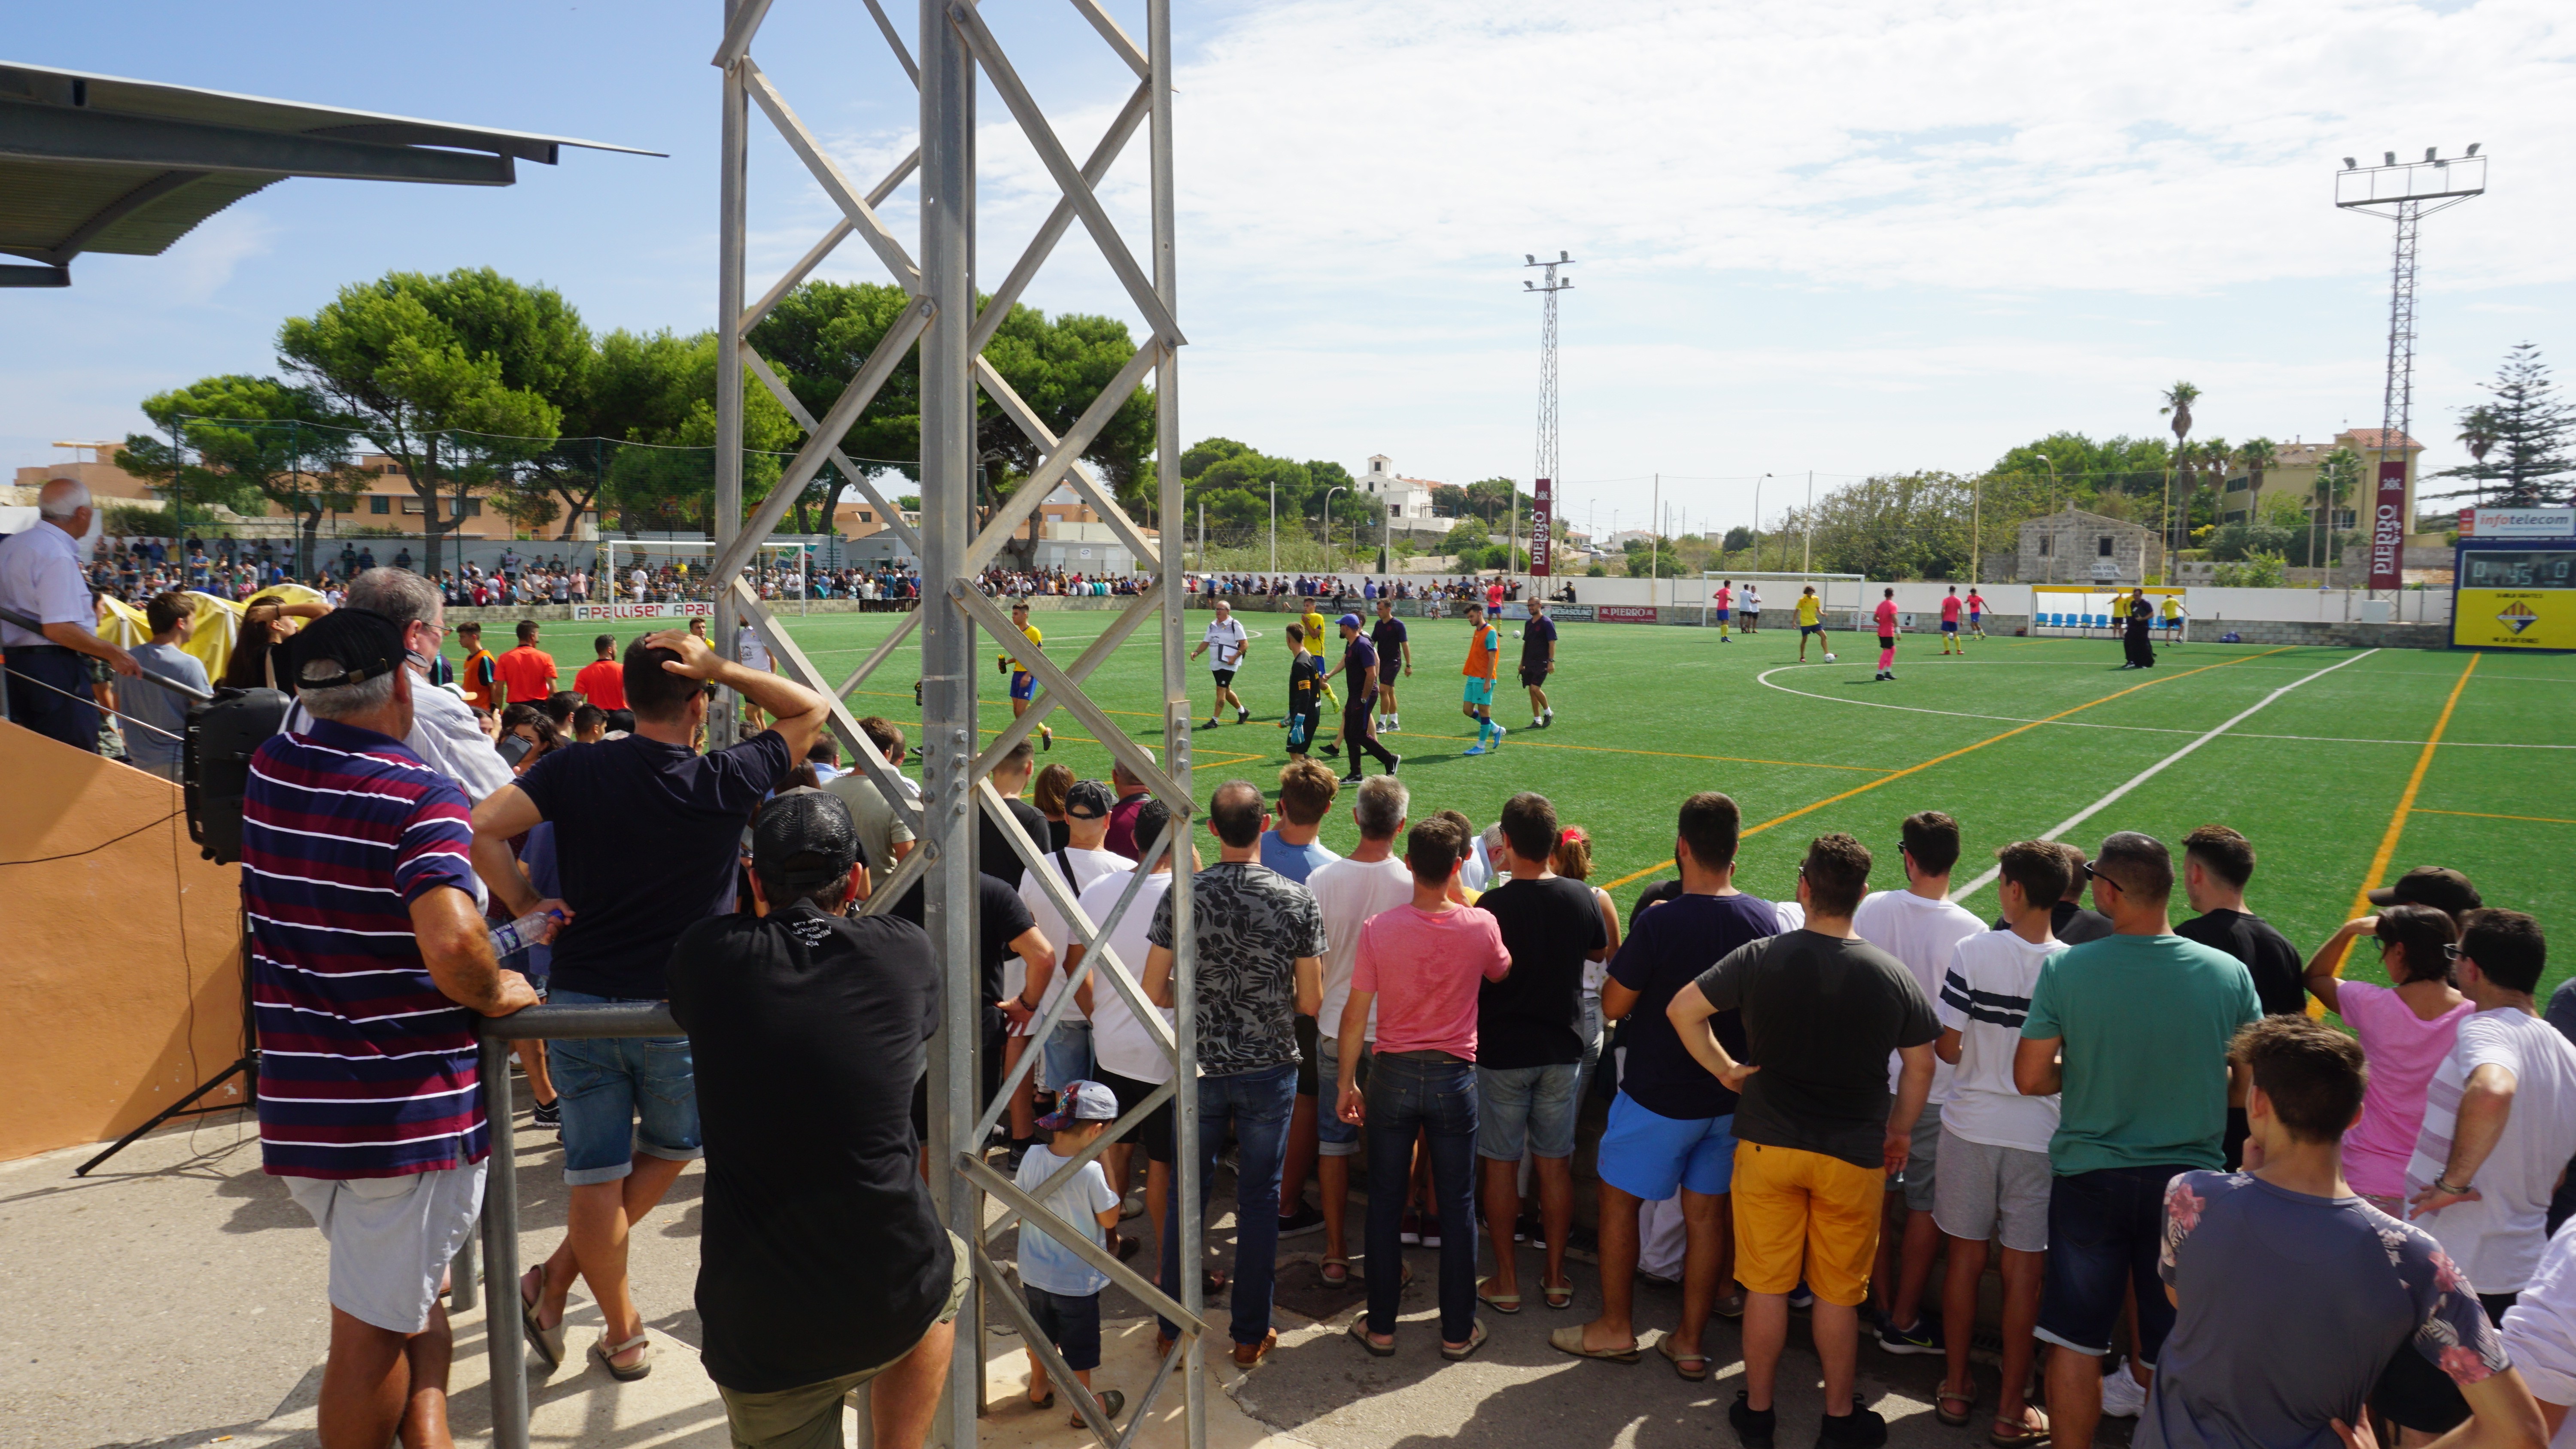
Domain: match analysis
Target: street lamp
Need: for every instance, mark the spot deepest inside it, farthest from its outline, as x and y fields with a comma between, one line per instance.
x=1328, y=523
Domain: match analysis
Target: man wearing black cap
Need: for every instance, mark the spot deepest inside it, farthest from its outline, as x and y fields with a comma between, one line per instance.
x=808, y=1025
x=368, y=961
x=2438, y=886
x=1359, y=711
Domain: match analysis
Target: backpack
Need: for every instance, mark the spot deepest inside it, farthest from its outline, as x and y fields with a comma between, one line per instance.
x=215, y=764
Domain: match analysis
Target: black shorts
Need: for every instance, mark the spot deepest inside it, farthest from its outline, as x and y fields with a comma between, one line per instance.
x=1886, y=641
x=1154, y=1134
x=1533, y=676
x=1305, y=1055
x=1224, y=678
x=2415, y=1395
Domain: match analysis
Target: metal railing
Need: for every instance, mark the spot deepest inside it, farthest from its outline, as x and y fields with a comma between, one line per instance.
x=505, y=1337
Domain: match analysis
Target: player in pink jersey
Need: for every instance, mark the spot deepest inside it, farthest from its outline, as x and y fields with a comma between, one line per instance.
x=1725, y=597
x=1885, y=614
x=1951, y=640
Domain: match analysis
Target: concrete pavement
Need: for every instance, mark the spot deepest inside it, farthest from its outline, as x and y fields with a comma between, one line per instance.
x=176, y=1297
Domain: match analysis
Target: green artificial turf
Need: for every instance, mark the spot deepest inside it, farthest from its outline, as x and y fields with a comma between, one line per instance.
x=1646, y=715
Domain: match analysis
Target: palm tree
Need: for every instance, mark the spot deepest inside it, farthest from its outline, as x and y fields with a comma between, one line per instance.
x=2178, y=401
x=2257, y=455
x=2478, y=434
x=2337, y=474
x=2215, y=455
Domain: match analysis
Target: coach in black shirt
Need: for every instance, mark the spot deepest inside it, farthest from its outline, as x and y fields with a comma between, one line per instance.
x=821, y=1265
x=2217, y=862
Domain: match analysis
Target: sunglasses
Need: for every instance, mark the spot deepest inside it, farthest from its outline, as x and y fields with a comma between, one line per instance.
x=2111, y=880
x=2452, y=952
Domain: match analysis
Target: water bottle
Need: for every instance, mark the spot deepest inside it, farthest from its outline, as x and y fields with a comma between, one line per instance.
x=519, y=935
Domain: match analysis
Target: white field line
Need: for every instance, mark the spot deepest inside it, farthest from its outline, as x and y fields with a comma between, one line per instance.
x=2158, y=768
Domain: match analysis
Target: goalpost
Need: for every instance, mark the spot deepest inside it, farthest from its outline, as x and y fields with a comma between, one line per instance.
x=692, y=557
x=1834, y=592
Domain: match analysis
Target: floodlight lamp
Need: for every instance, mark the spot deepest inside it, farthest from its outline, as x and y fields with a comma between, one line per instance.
x=2348, y=163
x=2429, y=150
x=1530, y=257
x=1562, y=257
x=2392, y=157
x=2473, y=147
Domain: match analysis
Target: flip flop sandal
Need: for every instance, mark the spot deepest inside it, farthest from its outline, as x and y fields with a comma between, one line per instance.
x=1499, y=1302
x=1046, y=1403
x=1570, y=1340
x=548, y=1342
x=607, y=1353
x=1213, y=1280
x=1559, y=1295
x=1664, y=1346
x=1941, y=1408
x=2027, y=1436
x=1343, y=1279
x=1111, y=1401
x=1730, y=1306
x=1359, y=1329
x=1459, y=1352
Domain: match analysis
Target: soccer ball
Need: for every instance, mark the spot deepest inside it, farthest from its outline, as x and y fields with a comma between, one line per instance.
x=1829, y=658
x=1516, y=633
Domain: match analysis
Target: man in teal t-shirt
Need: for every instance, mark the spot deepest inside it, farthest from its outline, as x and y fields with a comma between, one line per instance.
x=2133, y=1029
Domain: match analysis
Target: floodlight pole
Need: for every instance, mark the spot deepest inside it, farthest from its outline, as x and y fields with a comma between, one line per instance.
x=2405, y=194
x=732, y=197
x=1548, y=465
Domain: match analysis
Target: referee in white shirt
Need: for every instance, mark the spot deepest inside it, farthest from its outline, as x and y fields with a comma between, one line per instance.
x=40, y=576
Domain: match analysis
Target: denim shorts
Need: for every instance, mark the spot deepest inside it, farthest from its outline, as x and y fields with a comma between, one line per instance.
x=622, y=1095
x=1068, y=1054
x=2105, y=1232
x=1650, y=1156
x=1071, y=1324
x=1333, y=1136
x=1526, y=1107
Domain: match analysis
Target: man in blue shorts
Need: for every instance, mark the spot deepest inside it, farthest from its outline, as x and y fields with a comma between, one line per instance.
x=1672, y=1124
x=1024, y=685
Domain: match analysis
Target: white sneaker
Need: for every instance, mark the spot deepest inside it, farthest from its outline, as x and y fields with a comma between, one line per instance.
x=2123, y=1397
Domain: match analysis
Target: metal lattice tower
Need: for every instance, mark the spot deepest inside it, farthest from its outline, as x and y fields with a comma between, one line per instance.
x=957, y=51
x=2405, y=193
x=1547, y=413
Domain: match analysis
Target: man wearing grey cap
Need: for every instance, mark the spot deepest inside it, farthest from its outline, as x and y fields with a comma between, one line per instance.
x=808, y=1028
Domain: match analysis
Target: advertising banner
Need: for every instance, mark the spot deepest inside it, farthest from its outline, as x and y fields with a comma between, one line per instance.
x=2388, y=527
x=1624, y=613
x=1542, y=542
x=2485, y=524
x=1561, y=613
x=681, y=610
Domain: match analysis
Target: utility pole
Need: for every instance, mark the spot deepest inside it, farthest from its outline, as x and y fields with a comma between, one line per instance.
x=1548, y=461
x=1655, y=538
x=2400, y=193
x=1807, y=554
x=1274, y=526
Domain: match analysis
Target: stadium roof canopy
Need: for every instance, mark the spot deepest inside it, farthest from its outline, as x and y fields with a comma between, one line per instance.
x=98, y=163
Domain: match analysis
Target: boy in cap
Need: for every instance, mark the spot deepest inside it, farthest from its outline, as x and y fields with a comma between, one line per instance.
x=1063, y=1288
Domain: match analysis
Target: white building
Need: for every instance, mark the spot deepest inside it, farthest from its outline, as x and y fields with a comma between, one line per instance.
x=1401, y=497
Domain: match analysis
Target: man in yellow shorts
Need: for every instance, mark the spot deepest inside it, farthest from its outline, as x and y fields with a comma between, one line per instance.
x=1816, y=1135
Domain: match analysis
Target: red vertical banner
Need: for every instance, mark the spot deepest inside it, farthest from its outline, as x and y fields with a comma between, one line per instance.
x=1542, y=542
x=2388, y=524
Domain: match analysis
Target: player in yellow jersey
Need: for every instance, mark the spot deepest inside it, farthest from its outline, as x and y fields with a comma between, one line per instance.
x=1024, y=685
x=1484, y=651
x=1314, y=623
x=1811, y=620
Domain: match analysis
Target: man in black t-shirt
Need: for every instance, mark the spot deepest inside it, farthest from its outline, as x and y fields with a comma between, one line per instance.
x=1817, y=1133
x=2217, y=864
x=807, y=1025
x=1538, y=661
x=648, y=842
x=1394, y=658
x=1529, y=1043
x=993, y=853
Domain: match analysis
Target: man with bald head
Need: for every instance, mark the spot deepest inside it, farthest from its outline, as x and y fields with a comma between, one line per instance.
x=40, y=578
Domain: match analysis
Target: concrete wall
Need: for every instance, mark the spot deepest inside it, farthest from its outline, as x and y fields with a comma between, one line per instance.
x=122, y=958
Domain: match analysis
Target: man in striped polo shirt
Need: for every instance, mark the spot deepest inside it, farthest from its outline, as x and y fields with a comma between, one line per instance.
x=367, y=958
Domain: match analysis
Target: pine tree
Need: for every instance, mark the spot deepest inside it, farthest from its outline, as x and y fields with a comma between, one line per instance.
x=2527, y=430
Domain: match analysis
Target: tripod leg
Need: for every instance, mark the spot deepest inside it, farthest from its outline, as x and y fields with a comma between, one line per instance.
x=242, y=1066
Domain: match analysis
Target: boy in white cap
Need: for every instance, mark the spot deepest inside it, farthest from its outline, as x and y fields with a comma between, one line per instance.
x=1063, y=1288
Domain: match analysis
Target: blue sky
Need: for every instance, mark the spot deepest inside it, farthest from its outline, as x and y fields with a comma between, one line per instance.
x=1846, y=236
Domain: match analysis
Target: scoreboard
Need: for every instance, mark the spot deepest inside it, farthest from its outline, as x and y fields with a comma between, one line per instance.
x=2514, y=596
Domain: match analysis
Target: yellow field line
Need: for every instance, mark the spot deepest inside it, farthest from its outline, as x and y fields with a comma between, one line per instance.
x=1894, y=776
x=2387, y=852
x=2482, y=815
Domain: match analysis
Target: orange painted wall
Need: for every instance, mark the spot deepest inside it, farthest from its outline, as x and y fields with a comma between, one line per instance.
x=121, y=961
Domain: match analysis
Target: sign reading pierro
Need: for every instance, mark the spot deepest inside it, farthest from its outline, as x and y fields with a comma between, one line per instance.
x=1542, y=528
x=2388, y=527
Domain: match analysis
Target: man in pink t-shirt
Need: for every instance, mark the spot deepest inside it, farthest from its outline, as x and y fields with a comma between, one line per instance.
x=1951, y=641
x=1421, y=964
x=1725, y=597
x=1885, y=614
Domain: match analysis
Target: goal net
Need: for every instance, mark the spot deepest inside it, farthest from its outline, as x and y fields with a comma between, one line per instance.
x=648, y=578
x=1842, y=596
